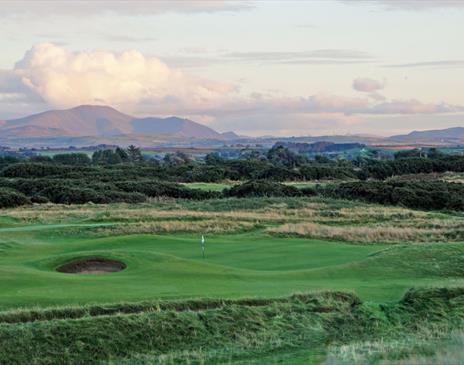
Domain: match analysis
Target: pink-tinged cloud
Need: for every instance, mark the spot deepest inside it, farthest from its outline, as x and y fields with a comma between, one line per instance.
x=49, y=76
x=128, y=79
x=367, y=85
x=414, y=107
x=133, y=7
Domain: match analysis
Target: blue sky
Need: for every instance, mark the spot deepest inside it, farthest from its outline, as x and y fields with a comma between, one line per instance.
x=257, y=67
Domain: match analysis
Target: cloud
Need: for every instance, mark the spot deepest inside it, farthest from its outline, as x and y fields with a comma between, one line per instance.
x=367, y=85
x=102, y=7
x=411, y=4
x=129, y=79
x=319, y=56
x=314, y=57
x=49, y=76
x=413, y=107
x=421, y=4
x=431, y=64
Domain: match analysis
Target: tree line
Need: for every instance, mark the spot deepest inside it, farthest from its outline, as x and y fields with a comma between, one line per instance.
x=126, y=175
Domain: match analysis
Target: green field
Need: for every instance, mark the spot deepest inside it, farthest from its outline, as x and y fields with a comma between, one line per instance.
x=222, y=186
x=162, y=266
x=255, y=248
x=209, y=186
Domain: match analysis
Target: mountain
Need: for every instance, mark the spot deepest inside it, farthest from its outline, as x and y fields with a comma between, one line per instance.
x=231, y=135
x=103, y=122
x=448, y=135
x=173, y=126
x=85, y=120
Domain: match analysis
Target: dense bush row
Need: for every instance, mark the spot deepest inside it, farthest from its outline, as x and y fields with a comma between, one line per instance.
x=20, y=191
x=278, y=164
x=192, y=172
x=11, y=198
x=429, y=195
x=415, y=165
x=257, y=188
x=125, y=176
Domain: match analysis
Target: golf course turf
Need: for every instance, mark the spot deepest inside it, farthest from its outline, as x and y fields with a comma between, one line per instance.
x=255, y=298
x=248, y=264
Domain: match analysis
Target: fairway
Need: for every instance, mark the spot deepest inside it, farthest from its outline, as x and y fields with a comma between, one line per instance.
x=236, y=265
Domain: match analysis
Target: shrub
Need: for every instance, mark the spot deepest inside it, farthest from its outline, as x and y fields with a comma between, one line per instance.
x=428, y=195
x=10, y=198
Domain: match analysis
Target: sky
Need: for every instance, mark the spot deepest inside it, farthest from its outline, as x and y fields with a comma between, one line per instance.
x=269, y=67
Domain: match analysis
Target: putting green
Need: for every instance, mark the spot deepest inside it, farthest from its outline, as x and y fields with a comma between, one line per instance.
x=251, y=264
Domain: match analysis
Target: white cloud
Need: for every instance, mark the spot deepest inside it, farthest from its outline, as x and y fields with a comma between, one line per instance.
x=367, y=85
x=411, y=4
x=49, y=76
x=430, y=64
x=413, y=107
x=133, y=7
x=129, y=79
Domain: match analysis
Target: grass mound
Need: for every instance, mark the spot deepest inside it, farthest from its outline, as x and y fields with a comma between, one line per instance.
x=236, y=325
x=436, y=304
x=214, y=331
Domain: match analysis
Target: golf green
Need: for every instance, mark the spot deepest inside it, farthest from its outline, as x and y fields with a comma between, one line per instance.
x=171, y=266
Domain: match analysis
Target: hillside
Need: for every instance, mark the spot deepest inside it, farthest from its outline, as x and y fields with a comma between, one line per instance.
x=102, y=121
x=173, y=126
x=449, y=135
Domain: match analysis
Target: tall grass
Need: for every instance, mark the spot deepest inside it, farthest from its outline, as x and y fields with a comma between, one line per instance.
x=305, y=217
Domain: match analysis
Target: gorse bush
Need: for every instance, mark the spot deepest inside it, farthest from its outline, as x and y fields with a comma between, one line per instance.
x=10, y=198
x=428, y=195
x=121, y=175
x=159, y=189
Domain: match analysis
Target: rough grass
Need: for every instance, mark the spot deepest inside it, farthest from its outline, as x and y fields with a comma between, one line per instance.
x=236, y=328
x=366, y=234
x=431, y=332
x=233, y=332
x=436, y=347
x=305, y=217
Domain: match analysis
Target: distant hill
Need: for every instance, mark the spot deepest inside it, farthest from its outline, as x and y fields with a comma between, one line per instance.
x=448, y=135
x=173, y=126
x=231, y=135
x=85, y=120
x=103, y=122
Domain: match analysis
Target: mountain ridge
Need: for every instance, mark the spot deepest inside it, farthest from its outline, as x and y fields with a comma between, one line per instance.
x=102, y=121
x=451, y=135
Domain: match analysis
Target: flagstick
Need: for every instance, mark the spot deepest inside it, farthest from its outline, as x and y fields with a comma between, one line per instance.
x=203, y=246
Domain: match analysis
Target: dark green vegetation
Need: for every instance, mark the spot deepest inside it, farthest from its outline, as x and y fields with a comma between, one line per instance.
x=126, y=176
x=428, y=195
x=219, y=332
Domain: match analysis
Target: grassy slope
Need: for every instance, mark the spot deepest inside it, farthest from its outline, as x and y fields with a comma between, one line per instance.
x=290, y=330
x=238, y=265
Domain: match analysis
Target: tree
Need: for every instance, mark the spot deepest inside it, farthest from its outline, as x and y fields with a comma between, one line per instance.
x=281, y=155
x=134, y=153
x=72, y=159
x=213, y=159
x=122, y=153
x=177, y=159
x=103, y=157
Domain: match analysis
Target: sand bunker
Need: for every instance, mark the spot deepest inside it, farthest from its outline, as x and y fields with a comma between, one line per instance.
x=91, y=265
